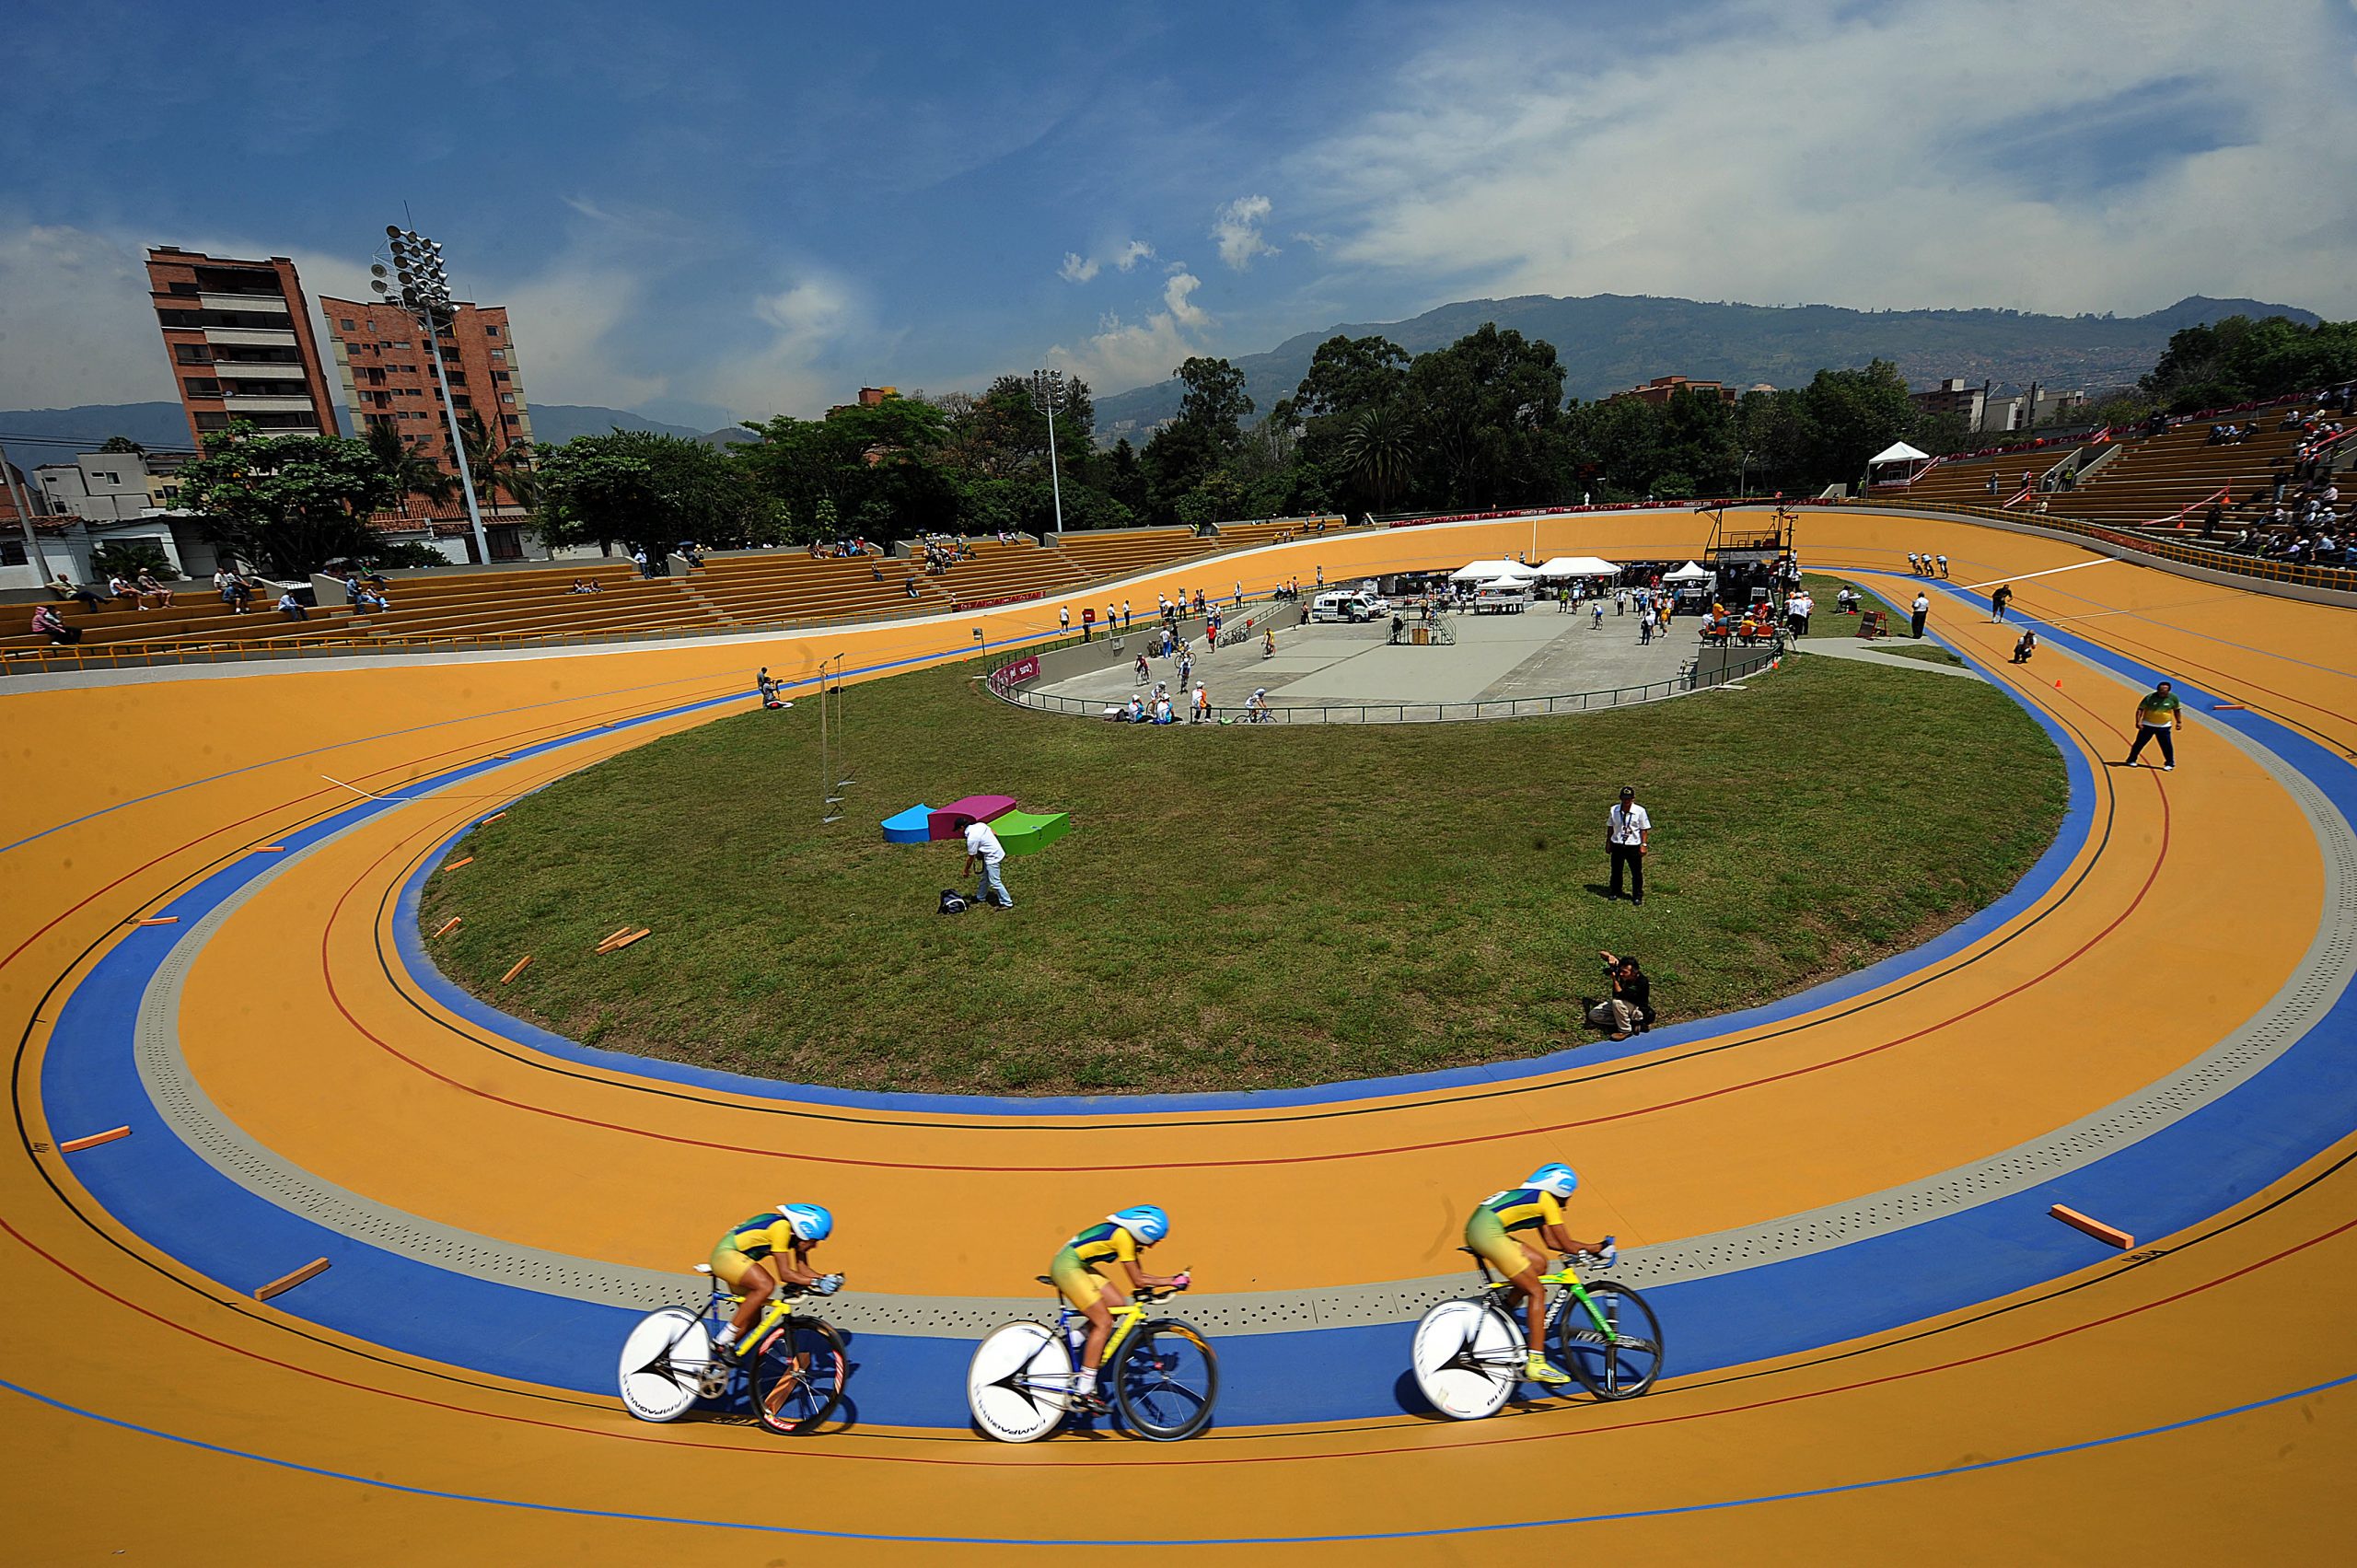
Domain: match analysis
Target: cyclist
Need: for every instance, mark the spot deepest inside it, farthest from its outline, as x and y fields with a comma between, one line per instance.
x=1537, y=1204
x=1080, y=1273
x=762, y=1253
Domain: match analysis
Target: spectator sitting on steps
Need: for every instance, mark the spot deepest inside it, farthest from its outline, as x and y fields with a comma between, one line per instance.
x=1630, y=1009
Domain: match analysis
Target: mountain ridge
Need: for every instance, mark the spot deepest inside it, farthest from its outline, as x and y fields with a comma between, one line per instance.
x=1609, y=342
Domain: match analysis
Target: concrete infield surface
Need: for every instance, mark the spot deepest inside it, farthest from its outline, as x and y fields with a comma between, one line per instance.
x=1845, y=1207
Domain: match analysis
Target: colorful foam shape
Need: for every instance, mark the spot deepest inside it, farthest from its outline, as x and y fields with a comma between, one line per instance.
x=1028, y=832
x=948, y=820
x=913, y=826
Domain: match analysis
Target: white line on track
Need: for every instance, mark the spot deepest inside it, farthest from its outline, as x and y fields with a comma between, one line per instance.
x=357, y=790
x=2080, y=566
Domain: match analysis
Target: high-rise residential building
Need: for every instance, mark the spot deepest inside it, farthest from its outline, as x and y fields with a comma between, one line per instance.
x=387, y=371
x=239, y=336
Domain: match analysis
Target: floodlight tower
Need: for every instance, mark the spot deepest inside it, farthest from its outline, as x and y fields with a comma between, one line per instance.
x=412, y=277
x=1048, y=392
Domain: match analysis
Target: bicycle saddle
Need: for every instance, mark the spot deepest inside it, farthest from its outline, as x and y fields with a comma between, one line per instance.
x=1045, y=1279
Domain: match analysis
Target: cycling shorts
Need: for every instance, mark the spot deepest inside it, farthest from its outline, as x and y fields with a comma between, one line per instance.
x=1487, y=1235
x=1080, y=1284
x=728, y=1265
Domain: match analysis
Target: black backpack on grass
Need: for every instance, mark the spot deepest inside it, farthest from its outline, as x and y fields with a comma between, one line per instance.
x=952, y=902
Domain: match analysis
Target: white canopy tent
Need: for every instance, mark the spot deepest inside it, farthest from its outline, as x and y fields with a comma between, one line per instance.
x=1689, y=573
x=1897, y=463
x=1488, y=571
x=1579, y=566
x=1899, y=452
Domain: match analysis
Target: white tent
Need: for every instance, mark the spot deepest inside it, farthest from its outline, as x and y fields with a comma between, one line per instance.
x=1579, y=566
x=1899, y=452
x=1486, y=571
x=1689, y=573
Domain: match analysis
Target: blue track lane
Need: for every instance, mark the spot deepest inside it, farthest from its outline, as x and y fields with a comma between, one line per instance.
x=172, y=1199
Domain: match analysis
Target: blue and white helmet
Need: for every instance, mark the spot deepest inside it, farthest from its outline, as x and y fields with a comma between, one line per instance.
x=1145, y=1222
x=810, y=1222
x=1557, y=1179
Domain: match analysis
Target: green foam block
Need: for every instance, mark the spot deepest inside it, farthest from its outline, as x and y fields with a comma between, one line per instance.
x=1026, y=833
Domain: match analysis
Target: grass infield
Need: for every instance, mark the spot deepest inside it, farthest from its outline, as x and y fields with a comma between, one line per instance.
x=1236, y=907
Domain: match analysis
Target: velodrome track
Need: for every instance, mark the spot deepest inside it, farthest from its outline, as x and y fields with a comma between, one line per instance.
x=1838, y=1203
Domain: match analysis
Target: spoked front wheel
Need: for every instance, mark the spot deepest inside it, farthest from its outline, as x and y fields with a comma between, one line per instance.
x=1019, y=1384
x=1621, y=1359
x=665, y=1362
x=1167, y=1381
x=1467, y=1359
x=798, y=1375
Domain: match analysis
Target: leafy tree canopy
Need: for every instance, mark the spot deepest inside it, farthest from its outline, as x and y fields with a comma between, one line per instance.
x=290, y=503
x=645, y=489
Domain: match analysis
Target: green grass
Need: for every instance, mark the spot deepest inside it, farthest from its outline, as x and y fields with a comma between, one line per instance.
x=1238, y=908
x=1829, y=620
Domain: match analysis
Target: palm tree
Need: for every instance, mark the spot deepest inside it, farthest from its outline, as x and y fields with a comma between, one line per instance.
x=412, y=471
x=1379, y=449
x=498, y=465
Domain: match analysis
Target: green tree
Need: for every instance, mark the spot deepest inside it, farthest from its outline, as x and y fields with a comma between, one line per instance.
x=1853, y=414
x=1487, y=406
x=291, y=503
x=500, y=467
x=1207, y=433
x=1379, y=450
x=644, y=489
x=129, y=557
x=883, y=466
x=411, y=470
x=122, y=444
x=1347, y=376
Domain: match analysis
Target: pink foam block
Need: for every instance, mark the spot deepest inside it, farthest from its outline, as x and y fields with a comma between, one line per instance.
x=949, y=821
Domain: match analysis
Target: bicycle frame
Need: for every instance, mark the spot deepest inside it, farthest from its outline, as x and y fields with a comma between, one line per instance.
x=1125, y=1319
x=1570, y=1291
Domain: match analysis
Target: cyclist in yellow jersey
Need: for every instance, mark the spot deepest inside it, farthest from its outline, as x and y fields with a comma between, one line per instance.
x=1537, y=1204
x=1080, y=1273
x=762, y=1253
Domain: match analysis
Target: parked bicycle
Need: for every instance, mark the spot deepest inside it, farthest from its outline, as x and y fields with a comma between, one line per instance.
x=1021, y=1383
x=1469, y=1354
x=790, y=1378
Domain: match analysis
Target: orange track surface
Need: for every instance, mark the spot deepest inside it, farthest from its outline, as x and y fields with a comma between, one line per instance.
x=2209, y=892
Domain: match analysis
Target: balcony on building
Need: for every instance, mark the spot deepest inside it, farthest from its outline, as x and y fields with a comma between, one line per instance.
x=251, y=337
x=274, y=302
x=237, y=402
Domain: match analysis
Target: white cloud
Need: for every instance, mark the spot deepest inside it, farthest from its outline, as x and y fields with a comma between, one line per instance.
x=75, y=324
x=1121, y=355
x=1519, y=160
x=811, y=318
x=1176, y=291
x=1236, y=226
x=1124, y=254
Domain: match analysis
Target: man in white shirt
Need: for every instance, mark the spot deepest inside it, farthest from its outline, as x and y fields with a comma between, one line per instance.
x=1921, y=609
x=982, y=844
x=1629, y=831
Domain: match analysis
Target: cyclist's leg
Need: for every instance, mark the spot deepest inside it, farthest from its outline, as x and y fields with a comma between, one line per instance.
x=752, y=1284
x=1086, y=1289
x=1516, y=1264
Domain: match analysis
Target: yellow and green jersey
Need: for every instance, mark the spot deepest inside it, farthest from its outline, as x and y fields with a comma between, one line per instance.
x=2158, y=710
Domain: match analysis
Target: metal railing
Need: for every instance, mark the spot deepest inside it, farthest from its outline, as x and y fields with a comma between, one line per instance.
x=1691, y=679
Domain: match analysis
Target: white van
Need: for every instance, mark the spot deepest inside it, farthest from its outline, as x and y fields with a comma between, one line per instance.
x=1506, y=599
x=1344, y=604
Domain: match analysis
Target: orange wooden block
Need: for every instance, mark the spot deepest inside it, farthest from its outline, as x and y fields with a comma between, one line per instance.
x=2221, y=707
x=270, y=849
x=511, y=974
x=94, y=1140
x=614, y=935
x=631, y=938
x=285, y=1282
x=158, y=920
x=448, y=924
x=492, y=818
x=2093, y=1228
x=456, y=864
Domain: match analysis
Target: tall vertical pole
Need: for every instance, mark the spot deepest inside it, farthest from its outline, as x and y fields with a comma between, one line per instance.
x=33, y=552
x=842, y=749
x=457, y=442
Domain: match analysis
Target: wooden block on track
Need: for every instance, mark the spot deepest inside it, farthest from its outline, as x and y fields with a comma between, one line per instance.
x=285, y=1282
x=94, y=1140
x=2093, y=1228
x=511, y=974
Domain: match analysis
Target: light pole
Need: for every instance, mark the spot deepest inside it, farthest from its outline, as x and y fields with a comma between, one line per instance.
x=419, y=285
x=1047, y=391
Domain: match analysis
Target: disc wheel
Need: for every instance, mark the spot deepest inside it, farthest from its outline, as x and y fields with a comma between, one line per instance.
x=1624, y=1365
x=1167, y=1381
x=1019, y=1384
x=1467, y=1359
x=664, y=1361
x=798, y=1375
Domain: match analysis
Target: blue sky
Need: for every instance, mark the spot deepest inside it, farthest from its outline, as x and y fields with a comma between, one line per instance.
x=700, y=211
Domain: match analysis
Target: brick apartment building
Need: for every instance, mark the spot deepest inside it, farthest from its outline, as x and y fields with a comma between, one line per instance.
x=239, y=333
x=1657, y=390
x=387, y=372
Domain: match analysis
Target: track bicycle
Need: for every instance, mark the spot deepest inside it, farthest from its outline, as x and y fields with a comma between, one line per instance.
x=791, y=1378
x=1469, y=1354
x=1021, y=1383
